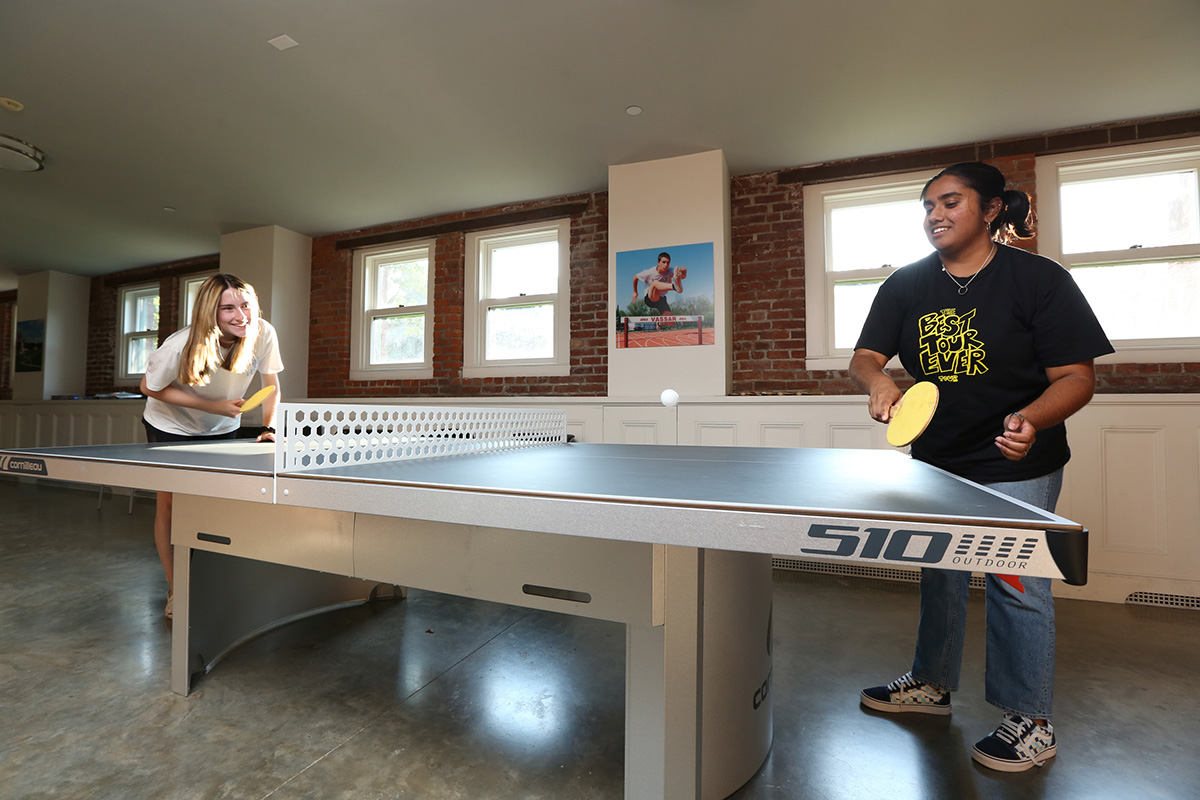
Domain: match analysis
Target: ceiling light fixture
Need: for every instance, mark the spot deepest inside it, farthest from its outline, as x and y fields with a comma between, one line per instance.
x=20, y=156
x=283, y=42
x=633, y=111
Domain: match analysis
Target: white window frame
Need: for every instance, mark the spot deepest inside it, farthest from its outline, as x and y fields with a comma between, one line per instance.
x=1116, y=161
x=819, y=202
x=185, y=307
x=361, y=315
x=127, y=296
x=479, y=244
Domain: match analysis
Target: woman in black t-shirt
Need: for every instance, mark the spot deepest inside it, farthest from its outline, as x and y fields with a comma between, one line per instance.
x=1010, y=340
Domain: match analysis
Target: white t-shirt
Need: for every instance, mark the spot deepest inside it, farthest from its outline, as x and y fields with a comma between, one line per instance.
x=163, y=371
x=648, y=276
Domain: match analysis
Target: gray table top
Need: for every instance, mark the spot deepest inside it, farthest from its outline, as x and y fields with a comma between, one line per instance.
x=225, y=455
x=868, y=483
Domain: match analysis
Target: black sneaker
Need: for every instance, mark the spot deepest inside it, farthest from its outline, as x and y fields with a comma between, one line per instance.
x=1018, y=744
x=906, y=694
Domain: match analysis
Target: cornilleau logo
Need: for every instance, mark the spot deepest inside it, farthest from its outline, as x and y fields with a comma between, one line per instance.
x=760, y=694
x=22, y=465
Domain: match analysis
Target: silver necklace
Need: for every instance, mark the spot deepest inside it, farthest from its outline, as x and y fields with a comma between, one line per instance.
x=962, y=287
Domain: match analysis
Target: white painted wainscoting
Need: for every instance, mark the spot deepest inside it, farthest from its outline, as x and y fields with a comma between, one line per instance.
x=1134, y=480
x=68, y=423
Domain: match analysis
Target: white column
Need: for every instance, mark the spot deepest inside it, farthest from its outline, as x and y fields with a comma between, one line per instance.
x=60, y=303
x=657, y=205
x=278, y=264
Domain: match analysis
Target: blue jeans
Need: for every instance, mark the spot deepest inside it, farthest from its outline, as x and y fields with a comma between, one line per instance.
x=1019, y=671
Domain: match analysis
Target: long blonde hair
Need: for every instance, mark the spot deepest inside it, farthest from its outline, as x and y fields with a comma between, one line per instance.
x=202, y=353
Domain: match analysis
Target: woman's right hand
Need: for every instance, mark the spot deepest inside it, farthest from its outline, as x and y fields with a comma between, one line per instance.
x=884, y=396
x=227, y=408
x=867, y=372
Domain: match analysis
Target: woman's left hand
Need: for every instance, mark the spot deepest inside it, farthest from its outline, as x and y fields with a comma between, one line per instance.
x=1018, y=437
x=265, y=436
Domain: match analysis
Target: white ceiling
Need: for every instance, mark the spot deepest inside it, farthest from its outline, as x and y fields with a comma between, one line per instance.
x=399, y=109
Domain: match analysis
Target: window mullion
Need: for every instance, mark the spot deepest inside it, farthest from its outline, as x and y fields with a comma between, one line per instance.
x=1131, y=255
x=521, y=300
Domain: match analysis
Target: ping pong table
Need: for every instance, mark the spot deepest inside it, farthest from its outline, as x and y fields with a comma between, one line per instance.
x=673, y=541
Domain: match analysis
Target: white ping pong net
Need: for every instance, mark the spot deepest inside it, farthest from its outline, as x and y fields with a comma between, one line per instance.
x=319, y=435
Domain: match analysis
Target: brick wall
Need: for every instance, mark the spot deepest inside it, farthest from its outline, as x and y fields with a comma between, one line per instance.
x=1148, y=378
x=762, y=216
x=102, y=314
x=767, y=238
x=329, y=331
x=767, y=219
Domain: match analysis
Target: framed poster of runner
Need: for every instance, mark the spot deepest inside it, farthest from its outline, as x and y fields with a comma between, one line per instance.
x=665, y=296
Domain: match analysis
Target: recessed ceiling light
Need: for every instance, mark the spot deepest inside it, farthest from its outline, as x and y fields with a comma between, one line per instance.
x=20, y=156
x=284, y=42
x=10, y=104
x=633, y=111
x=169, y=209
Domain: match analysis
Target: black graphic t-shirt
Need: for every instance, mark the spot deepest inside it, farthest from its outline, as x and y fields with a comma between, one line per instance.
x=987, y=350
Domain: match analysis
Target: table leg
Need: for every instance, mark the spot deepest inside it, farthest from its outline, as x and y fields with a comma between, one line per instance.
x=698, y=710
x=223, y=600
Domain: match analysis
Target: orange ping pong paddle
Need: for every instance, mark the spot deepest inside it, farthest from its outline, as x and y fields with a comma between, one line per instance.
x=911, y=415
x=257, y=398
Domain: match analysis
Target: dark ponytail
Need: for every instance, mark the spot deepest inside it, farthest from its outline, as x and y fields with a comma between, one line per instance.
x=1016, y=219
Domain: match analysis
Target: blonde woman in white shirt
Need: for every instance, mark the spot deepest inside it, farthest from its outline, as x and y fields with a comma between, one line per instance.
x=194, y=383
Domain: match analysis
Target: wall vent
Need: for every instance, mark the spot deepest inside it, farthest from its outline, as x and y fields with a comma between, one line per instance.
x=858, y=570
x=1164, y=600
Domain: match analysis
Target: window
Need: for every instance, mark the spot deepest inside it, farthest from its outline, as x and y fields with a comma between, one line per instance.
x=517, y=315
x=1126, y=222
x=392, y=318
x=189, y=287
x=856, y=233
x=139, y=330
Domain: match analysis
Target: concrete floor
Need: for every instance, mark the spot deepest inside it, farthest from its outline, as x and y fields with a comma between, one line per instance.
x=440, y=697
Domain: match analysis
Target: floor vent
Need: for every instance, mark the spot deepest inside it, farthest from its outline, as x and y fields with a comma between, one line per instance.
x=1164, y=600
x=858, y=570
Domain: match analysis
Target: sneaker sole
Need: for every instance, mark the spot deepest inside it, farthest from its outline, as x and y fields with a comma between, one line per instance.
x=902, y=708
x=1012, y=766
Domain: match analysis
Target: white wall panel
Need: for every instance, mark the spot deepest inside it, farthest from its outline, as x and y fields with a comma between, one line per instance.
x=1134, y=483
x=859, y=437
x=640, y=424
x=716, y=434
x=1134, y=494
x=780, y=434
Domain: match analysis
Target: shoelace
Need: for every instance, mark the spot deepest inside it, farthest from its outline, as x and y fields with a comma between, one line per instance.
x=1012, y=732
x=906, y=681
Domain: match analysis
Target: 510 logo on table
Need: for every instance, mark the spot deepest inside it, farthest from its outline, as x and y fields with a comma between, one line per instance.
x=922, y=547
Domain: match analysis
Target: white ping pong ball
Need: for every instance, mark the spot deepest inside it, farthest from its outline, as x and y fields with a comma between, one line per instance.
x=669, y=398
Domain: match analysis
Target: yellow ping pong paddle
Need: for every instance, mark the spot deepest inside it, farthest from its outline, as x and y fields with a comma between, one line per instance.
x=257, y=398
x=912, y=414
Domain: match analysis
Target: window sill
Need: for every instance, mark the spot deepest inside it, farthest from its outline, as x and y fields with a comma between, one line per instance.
x=517, y=371
x=413, y=374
